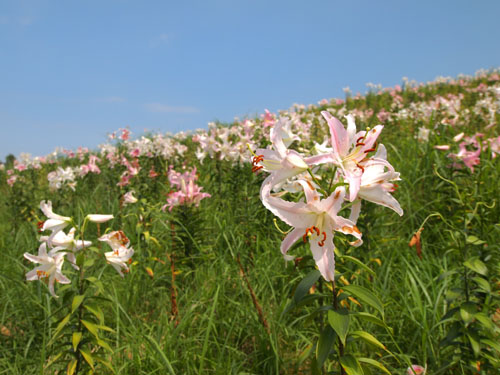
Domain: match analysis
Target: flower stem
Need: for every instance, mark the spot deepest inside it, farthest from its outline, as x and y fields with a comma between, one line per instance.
x=341, y=346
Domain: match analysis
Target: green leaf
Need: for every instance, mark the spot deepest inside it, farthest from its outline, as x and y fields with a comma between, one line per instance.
x=494, y=344
x=476, y=265
x=77, y=301
x=88, y=358
x=91, y=327
x=105, y=345
x=161, y=352
x=97, y=312
x=305, y=284
x=80, y=258
x=59, y=327
x=351, y=365
x=474, y=240
x=77, y=336
x=375, y=363
x=482, y=283
x=106, y=328
x=371, y=318
x=325, y=343
x=485, y=321
x=476, y=347
x=467, y=311
x=359, y=263
x=369, y=338
x=339, y=321
x=105, y=363
x=365, y=295
x=71, y=367
x=453, y=294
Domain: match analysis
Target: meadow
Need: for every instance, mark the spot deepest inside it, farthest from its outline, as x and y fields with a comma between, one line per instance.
x=207, y=290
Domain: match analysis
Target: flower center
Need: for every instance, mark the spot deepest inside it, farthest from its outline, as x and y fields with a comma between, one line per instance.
x=41, y=274
x=257, y=159
x=314, y=231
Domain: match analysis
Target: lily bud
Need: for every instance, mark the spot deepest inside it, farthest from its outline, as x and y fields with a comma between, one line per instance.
x=99, y=218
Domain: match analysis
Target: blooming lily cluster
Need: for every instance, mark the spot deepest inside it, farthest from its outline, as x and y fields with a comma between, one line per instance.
x=189, y=193
x=359, y=170
x=59, y=245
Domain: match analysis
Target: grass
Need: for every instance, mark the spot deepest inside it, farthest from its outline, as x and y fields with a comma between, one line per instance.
x=218, y=329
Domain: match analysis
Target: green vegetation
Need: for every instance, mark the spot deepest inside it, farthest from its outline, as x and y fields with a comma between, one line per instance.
x=239, y=307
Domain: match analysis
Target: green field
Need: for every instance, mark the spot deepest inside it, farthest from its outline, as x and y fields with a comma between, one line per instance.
x=239, y=308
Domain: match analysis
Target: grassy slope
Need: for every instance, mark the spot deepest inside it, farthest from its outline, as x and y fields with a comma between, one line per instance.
x=219, y=330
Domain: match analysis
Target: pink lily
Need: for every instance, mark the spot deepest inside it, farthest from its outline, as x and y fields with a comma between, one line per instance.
x=314, y=222
x=376, y=185
x=349, y=150
x=416, y=370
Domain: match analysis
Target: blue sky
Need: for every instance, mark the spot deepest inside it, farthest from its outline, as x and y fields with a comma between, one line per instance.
x=73, y=71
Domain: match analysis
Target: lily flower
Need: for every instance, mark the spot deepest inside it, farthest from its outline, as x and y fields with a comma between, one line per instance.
x=349, y=150
x=55, y=222
x=416, y=370
x=96, y=218
x=51, y=265
x=129, y=198
x=65, y=241
x=314, y=221
x=376, y=185
x=121, y=253
x=279, y=160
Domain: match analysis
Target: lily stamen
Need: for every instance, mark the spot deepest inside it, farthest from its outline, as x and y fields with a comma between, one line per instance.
x=310, y=231
x=322, y=242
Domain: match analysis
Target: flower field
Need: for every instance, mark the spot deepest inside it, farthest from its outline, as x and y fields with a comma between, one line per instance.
x=353, y=236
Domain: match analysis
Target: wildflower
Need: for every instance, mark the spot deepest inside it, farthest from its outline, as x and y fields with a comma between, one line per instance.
x=122, y=252
x=280, y=161
x=376, y=181
x=470, y=158
x=349, y=150
x=129, y=198
x=416, y=370
x=51, y=265
x=442, y=147
x=64, y=241
x=190, y=192
x=55, y=223
x=99, y=218
x=423, y=134
x=314, y=222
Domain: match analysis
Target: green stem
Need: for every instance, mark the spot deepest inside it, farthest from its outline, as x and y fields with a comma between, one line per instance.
x=341, y=346
x=81, y=291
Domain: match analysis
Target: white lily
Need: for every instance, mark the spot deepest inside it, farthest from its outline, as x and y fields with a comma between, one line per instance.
x=121, y=253
x=55, y=222
x=279, y=160
x=99, y=218
x=51, y=265
x=68, y=242
x=314, y=222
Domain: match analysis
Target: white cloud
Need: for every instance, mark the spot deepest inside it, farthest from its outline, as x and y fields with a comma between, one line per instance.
x=163, y=108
